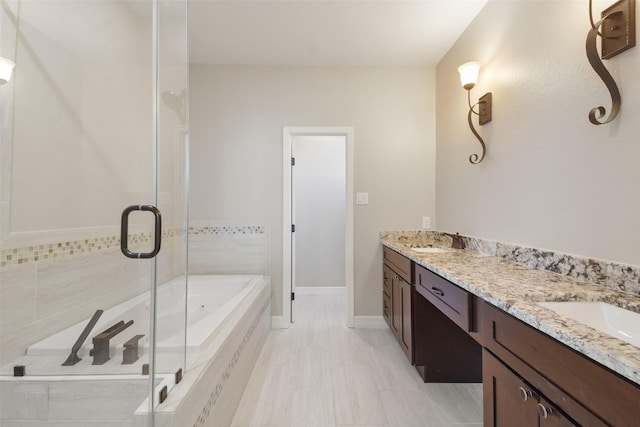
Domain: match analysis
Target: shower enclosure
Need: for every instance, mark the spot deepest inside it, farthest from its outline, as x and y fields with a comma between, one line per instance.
x=93, y=139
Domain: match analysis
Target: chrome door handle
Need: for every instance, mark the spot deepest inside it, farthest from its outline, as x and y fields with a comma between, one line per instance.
x=124, y=231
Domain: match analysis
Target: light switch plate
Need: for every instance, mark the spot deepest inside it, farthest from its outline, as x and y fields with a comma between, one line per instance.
x=362, y=198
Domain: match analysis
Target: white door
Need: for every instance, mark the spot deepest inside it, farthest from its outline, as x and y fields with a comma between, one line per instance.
x=289, y=251
x=318, y=206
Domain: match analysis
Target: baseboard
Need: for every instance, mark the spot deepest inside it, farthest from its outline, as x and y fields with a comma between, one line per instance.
x=370, y=322
x=277, y=322
x=324, y=290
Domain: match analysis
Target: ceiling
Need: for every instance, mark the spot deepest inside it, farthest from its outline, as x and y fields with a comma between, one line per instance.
x=326, y=32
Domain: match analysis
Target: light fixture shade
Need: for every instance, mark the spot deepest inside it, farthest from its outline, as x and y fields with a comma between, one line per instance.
x=469, y=74
x=6, y=70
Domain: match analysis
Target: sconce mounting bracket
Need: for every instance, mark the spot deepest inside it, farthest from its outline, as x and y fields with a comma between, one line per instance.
x=484, y=104
x=618, y=28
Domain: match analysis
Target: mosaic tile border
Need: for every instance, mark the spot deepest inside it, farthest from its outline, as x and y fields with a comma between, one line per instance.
x=111, y=243
x=60, y=250
x=215, y=394
x=614, y=275
x=226, y=230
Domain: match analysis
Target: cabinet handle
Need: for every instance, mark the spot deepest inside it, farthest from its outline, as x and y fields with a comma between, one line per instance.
x=544, y=411
x=437, y=291
x=524, y=394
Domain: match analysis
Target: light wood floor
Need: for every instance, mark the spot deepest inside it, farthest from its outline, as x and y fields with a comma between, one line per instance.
x=321, y=373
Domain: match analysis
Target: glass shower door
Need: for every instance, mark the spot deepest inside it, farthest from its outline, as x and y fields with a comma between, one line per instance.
x=93, y=121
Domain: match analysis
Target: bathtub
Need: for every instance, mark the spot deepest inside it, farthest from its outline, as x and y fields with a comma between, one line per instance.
x=211, y=298
x=229, y=318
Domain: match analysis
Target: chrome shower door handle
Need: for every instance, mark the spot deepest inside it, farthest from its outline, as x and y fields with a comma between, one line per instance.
x=124, y=231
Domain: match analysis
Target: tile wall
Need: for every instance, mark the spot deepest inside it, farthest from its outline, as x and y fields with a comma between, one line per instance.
x=48, y=283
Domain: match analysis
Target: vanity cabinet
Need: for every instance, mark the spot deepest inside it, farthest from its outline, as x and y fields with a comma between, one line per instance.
x=397, y=298
x=529, y=378
x=563, y=380
x=444, y=351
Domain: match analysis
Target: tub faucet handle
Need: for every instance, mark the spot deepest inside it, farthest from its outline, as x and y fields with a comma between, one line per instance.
x=130, y=352
x=100, y=350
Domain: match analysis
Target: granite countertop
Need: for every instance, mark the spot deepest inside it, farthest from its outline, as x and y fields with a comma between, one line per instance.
x=517, y=288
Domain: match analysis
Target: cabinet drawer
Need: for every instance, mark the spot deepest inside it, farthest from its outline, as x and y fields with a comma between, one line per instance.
x=387, y=276
x=452, y=301
x=399, y=263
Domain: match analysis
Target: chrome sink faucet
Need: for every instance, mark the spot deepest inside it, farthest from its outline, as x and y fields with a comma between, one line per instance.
x=457, y=241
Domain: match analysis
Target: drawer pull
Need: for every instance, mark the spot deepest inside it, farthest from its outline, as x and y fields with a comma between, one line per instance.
x=437, y=291
x=544, y=411
x=525, y=394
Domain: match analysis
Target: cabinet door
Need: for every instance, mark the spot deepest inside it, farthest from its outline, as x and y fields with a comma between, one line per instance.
x=386, y=308
x=387, y=275
x=396, y=304
x=405, y=333
x=508, y=401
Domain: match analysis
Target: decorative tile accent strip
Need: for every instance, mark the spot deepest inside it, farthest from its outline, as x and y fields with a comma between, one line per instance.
x=60, y=250
x=227, y=230
x=111, y=243
x=215, y=394
x=614, y=275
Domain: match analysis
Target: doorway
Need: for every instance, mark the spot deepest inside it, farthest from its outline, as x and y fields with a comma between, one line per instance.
x=327, y=223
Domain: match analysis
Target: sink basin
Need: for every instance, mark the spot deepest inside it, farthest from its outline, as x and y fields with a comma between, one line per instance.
x=430, y=250
x=607, y=318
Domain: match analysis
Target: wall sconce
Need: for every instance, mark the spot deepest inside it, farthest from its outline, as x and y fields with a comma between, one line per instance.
x=468, y=78
x=6, y=70
x=618, y=34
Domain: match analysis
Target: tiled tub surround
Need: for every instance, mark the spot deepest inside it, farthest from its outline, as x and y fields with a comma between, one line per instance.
x=52, y=280
x=48, y=286
x=208, y=393
x=516, y=288
x=216, y=248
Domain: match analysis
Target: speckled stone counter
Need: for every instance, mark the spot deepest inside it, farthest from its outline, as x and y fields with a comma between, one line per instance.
x=517, y=288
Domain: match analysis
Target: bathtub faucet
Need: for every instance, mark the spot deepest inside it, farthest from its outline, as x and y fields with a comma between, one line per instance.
x=100, y=350
x=457, y=241
x=73, y=357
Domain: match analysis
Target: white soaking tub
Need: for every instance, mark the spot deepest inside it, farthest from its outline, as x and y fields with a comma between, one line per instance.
x=228, y=320
x=210, y=300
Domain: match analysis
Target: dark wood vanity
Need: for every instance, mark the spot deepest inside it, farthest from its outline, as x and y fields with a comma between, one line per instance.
x=529, y=378
x=397, y=298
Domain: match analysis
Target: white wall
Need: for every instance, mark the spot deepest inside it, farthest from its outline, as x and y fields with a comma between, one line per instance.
x=319, y=201
x=237, y=114
x=551, y=179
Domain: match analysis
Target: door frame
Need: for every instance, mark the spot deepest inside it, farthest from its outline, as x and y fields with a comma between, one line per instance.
x=288, y=133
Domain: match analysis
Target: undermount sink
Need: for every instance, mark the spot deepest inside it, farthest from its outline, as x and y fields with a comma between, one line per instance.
x=430, y=250
x=615, y=321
